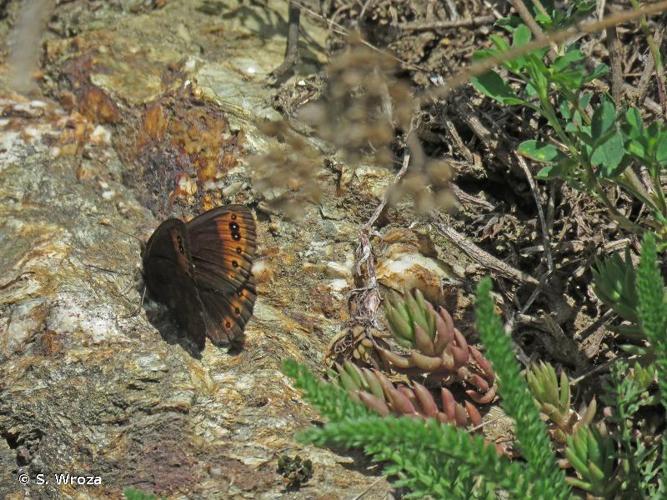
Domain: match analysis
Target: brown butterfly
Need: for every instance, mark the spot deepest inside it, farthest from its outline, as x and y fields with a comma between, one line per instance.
x=201, y=271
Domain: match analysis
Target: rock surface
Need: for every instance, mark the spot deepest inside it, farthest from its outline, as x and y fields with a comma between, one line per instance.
x=152, y=113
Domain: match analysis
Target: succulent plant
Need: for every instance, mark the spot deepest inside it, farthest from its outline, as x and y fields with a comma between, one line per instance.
x=615, y=284
x=437, y=348
x=553, y=400
x=591, y=452
x=378, y=393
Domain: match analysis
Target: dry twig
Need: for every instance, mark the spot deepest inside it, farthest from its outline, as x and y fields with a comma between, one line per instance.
x=441, y=25
x=366, y=299
x=546, y=230
x=484, y=258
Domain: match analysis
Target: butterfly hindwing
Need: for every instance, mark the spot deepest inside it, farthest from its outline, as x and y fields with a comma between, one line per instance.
x=227, y=315
x=169, y=277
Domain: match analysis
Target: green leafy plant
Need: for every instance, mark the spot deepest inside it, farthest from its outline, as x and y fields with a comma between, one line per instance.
x=591, y=143
x=626, y=393
x=640, y=297
x=545, y=476
x=429, y=457
x=614, y=281
x=653, y=317
x=135, y=494
x=652, y=301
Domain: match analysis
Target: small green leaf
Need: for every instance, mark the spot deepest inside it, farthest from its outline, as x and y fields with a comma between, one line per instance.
x=500, y=43
x=609, y=154
x=578, y=483
x=599, y=71
x=347, y=382
x=585, y=99
x=483, y=54
x=522, y=36
x=564, y=108
x=538, y=77
x=603, y=119
x=595, y=472
x=546, y=173
x=575, y=460
x=492, y=85
x=568, y=58
x=545, y=153
x=508, y=23
x=634, y=119
x=561, y=170
x=583, y=133
x=636, y=149
x=661, y=151
x=570, y=79
x=652, y=133
x=543, y=18
x=531, y=91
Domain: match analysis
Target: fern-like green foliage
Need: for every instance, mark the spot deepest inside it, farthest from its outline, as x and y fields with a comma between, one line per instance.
x=331, y=400
x=420, y=466
x=626, y=393
x=134, y=494
x=422, y=471
x=546, y=479
x=652, y=309
x=428, y=457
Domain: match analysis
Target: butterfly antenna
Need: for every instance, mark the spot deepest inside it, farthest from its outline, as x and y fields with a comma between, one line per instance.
x=106, y=269
x=141, y=304
x=107, y=223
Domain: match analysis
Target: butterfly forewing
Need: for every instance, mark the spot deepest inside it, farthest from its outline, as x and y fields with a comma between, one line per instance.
x=223, y=245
